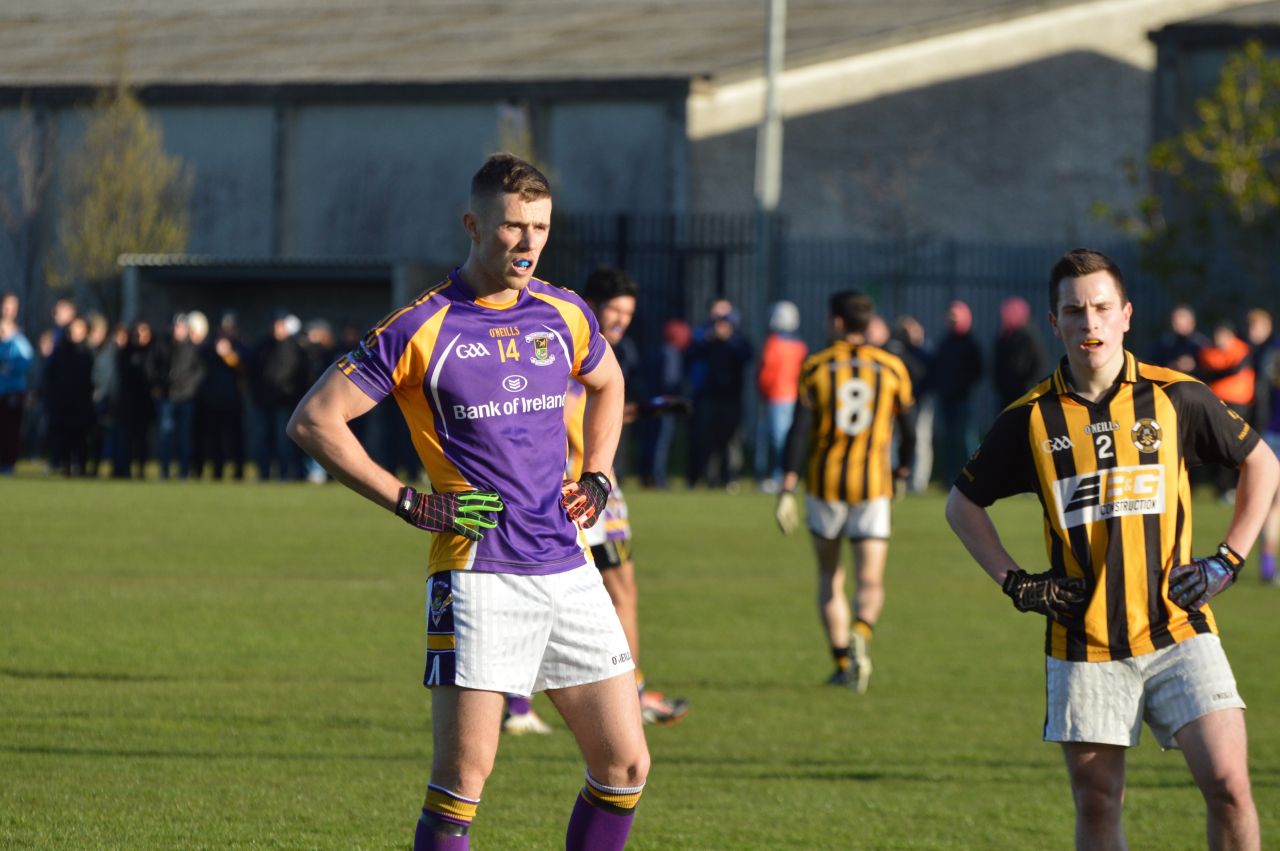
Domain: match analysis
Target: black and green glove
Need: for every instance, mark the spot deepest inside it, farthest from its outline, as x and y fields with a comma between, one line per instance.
x=462, y=513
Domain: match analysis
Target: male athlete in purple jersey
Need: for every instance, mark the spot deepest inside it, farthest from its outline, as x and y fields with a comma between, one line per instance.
x=478, y=366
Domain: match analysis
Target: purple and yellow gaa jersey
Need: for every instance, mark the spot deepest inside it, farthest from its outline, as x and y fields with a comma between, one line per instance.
x=613, y=520
x=482, y=389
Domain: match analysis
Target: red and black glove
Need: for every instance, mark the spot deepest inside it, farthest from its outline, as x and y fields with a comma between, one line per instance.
x=584, y=499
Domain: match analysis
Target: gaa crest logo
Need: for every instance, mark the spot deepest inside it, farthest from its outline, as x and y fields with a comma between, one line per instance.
x=541, y=348
x=1146, y=435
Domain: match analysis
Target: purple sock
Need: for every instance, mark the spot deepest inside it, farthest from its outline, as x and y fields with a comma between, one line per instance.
x=1267, y=569
x=594, y=829
x=430, y=837
x=518, y=705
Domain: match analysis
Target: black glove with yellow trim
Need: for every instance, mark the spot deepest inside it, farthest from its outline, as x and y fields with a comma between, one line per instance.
x=1059, y=598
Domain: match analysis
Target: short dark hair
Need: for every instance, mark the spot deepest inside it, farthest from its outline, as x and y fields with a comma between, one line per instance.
x=607, y=283
x=1079, y=262
x=855, y=309
x=507, y=174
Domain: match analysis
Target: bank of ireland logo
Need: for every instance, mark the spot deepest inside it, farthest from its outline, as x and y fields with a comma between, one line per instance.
x=1146, y=435
x=515, y=383
x=541, y=348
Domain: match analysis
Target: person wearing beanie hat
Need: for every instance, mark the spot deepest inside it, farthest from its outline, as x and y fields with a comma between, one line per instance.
x=778, y=383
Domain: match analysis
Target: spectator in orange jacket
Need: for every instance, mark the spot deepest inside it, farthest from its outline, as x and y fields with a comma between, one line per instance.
x=1227, y=367
x=778, y=382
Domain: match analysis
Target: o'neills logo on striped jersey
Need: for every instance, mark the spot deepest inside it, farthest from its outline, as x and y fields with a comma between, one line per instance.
x=1100, y=428
x=1117, y=492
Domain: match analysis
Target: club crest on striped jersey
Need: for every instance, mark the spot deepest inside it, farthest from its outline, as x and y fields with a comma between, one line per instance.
x=1116, y=492
x=1146, y=435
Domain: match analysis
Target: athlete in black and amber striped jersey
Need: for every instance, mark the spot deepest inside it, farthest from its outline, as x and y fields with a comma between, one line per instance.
x=855, y=393
x=1112, y=477
x=1105, y=442
x=852, y=395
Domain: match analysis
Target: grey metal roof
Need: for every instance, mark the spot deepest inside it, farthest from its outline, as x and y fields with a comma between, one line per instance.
x=75, y=42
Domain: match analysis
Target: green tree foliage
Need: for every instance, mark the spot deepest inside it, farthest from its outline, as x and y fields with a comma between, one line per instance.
x=125, y=194
x=1237, y=141
x=1227, y=165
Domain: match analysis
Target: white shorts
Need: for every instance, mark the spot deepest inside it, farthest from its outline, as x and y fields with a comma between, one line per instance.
x=1105, y=703
x=855, y=520
x=522, y=634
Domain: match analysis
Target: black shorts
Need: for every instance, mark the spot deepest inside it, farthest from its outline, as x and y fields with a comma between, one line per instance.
x=611, y=554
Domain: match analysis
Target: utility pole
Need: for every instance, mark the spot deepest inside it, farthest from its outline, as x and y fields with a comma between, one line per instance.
x=768, y=185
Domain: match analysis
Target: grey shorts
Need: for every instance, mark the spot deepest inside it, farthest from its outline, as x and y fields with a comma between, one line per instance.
x=1105, y=703
x=856, y=520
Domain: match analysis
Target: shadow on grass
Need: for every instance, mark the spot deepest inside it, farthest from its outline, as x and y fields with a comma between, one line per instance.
x=85, y=676
x=205, y=756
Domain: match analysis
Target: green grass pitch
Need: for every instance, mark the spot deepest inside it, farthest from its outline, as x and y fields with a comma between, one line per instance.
x=237, y=666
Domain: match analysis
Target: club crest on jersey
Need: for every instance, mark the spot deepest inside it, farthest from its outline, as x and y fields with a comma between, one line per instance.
x=541, y=348
x=1146, y=435
x=1117, y=492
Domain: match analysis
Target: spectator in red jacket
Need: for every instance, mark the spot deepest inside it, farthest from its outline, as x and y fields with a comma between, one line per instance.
x=778, y=381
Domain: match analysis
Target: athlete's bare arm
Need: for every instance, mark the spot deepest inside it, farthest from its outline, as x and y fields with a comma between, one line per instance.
x=974, y=528
x=602, y=419
x=319, y=426
x=1259, y=476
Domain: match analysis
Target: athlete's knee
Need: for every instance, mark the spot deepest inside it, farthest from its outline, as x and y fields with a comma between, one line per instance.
x=1098, y=804
x=465, y=779
x=1228, y=794
x=624, y=770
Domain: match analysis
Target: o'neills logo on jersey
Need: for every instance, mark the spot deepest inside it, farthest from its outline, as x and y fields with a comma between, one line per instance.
x=1117, y=492
x=541, y=348
x=1102, y=428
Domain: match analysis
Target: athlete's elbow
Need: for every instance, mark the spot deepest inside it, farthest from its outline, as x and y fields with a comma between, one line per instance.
x=300, y=428
x=957, y=510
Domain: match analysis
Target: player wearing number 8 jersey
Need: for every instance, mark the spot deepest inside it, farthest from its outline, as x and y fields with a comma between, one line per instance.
x=852, y=396
x=1105, y=442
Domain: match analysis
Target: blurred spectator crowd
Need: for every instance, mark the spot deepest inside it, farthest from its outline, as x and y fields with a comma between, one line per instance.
x=87, y=398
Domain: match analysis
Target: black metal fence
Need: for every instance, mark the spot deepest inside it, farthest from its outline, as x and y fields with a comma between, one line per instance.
x=683, y=261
